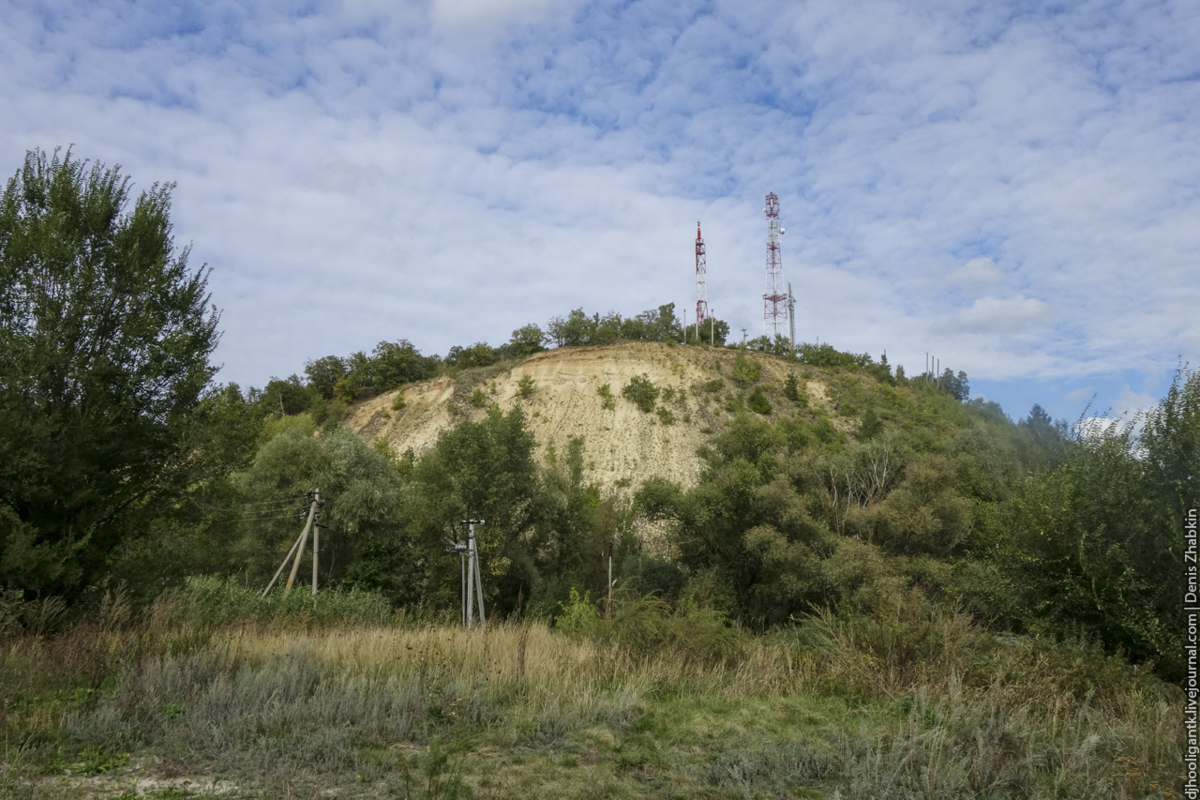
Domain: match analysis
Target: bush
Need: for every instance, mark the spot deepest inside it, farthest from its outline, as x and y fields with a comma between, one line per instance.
x=525, y=387
x=607, y=401
x=641, y=392
x=791, y=388
x=478, y=398
x=758, y=402
x=665, y=416
x=745, y=370
x=398, y=401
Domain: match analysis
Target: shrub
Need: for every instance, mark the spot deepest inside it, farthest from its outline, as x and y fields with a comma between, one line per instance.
x=398, y=401
x=791, y=388
x=714, y=386
x=607, y=401
x=758, y=402
x=745, y=370
x=525, y=387
x=665, y=416
x=478, y=398
x=641, y=392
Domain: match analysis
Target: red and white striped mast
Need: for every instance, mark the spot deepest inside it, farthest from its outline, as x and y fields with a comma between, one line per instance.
x=775, y=316
x=701, y=286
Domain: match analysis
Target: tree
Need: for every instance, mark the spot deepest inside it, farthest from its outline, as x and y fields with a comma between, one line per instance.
x=526, y=341
x=105, y=336
x=323, y=375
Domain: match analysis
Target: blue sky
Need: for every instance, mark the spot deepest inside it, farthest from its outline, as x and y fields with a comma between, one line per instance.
x=1012, y=186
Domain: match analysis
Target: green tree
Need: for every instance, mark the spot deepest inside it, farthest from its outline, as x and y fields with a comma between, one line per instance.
x=105, y=336
x=359, y=487
x=481, y=470
x=397, y=363
x=526, y=341
x=1094, y=546
x=323, y=375
x=574, y=331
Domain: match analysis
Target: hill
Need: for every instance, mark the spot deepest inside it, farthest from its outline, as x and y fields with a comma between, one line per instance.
x=623, y=444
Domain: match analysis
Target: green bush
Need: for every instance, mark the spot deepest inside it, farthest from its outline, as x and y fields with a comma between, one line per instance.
x=478, y=398
x=758, y=402
x=714, y=386
x=791, y=388
x=607, y=401
x=665, y=416
x=745, y=370
x=641, y=392
x=525, y=387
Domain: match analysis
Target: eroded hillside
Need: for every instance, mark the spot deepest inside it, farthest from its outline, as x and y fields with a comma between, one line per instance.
x=622, y=444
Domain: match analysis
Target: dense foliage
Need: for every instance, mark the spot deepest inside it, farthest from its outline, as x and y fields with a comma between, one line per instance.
x=105, y=335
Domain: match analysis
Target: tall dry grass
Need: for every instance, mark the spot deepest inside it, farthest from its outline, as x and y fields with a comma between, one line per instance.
x=934, y=707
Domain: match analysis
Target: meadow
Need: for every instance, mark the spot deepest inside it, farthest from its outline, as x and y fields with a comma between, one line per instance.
x=212, y=692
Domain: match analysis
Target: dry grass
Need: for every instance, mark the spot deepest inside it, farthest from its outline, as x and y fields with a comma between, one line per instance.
x=921, y=707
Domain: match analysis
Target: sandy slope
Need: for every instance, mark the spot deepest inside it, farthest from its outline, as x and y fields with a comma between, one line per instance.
x=619, y=444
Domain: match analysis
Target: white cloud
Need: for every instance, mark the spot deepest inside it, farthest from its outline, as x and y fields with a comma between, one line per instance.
x=1080, y=395
x=977, y=274
x=1000, y=316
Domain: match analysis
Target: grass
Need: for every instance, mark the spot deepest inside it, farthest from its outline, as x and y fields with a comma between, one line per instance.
x=837, y=707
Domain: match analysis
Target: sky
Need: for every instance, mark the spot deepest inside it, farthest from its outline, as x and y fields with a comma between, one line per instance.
x=1013, y=187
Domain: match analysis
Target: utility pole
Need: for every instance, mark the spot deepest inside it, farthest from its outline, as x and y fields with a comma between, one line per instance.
x=610, y=555
x=743, y=337
x=791, y=307
x=298, y=549
x=316, y=537
x=474, y=577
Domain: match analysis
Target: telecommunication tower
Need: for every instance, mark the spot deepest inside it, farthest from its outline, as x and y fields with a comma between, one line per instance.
x=701, y=287
x=774, y=301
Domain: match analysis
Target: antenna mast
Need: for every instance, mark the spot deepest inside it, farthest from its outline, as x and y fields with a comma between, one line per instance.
x=791, y=306
x=701, y=287
x=774, y=301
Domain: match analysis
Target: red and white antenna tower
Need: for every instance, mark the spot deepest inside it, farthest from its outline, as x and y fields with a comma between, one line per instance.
x=775, y=317
x=701, y=287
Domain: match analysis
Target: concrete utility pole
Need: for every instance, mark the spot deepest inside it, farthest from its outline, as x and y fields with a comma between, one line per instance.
x=610, y=555
x=298, y=549
x=474, y=576
x=791, y=307
x=316, y=537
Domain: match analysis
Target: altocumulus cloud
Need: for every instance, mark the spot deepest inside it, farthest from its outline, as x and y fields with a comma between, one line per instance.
x=1012, y=188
